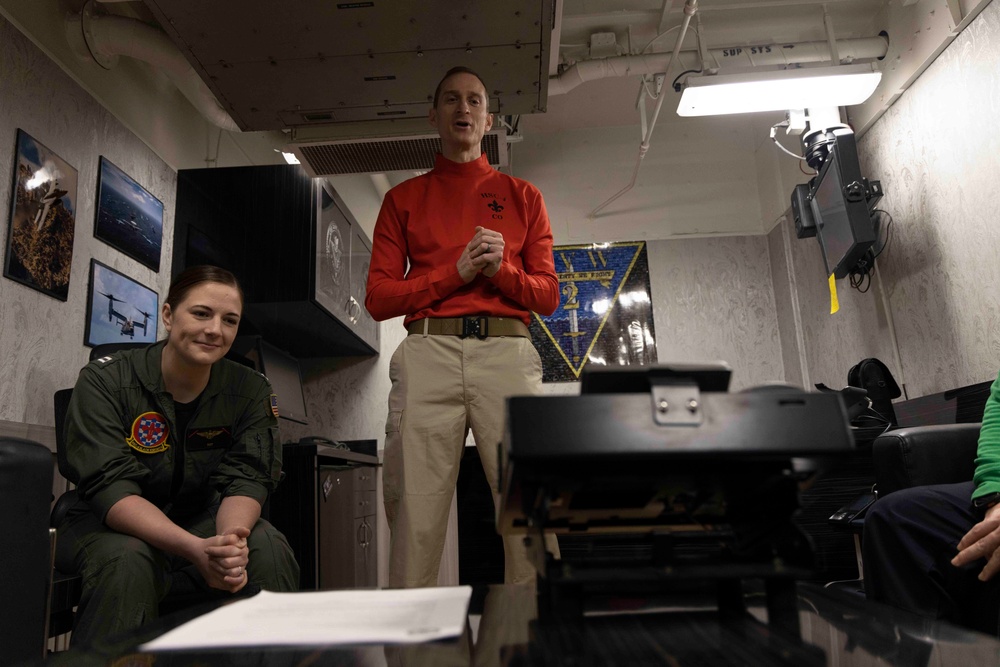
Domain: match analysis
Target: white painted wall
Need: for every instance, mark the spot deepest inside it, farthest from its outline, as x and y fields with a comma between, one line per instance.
x=698, y=177
x=936, y=151
x=41, y=338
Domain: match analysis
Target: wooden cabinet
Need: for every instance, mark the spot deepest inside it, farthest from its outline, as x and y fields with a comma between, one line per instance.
x=326, y=507
x=348, y=558
x=300, y=255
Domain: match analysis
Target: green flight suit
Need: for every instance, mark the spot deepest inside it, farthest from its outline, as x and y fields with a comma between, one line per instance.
x=121, y=440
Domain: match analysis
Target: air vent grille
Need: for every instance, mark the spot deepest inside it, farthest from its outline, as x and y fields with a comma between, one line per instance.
x=376, y=155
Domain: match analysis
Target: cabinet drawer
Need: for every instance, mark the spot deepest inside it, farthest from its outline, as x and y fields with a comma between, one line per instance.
x=364, y=478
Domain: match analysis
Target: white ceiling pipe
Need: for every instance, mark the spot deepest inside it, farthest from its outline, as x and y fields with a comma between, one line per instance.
x=107, y=37
x=850, y=50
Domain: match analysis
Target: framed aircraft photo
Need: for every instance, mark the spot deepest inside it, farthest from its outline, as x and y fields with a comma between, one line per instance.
x=42, y=219
x=119, y=310
x=128, y=217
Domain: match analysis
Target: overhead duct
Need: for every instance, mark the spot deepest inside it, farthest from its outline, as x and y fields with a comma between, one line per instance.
x=105, y=37
x=849, y=50
x=377, y=154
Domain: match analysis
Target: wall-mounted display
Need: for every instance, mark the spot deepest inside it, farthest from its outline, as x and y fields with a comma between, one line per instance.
x=42, y=219
x=605, y=313
x=119, y=309
x=333, y=255
x=128, y=217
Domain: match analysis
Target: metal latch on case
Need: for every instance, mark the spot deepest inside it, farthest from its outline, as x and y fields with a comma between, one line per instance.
x=677, y=405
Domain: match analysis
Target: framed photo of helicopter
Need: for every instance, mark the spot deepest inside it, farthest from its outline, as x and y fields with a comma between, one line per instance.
x=119, y=310
x=128, y=217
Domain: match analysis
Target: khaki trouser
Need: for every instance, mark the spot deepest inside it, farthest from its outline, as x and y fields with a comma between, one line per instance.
x=442, y=386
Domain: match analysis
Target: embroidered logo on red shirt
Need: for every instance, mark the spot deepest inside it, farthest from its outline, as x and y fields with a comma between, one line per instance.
x=493, y=204
x=149, y=433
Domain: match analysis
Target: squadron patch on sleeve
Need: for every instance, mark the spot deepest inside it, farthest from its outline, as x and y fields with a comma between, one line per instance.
x=149, y=433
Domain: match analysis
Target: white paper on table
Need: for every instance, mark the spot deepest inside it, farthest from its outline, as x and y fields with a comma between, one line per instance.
x=324, y=618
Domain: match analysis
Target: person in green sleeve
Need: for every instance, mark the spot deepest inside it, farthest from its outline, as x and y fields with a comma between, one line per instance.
x=173, y=450
x=935, y=550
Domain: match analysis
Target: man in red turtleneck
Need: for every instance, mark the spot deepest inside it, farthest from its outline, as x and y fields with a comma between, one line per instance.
x=464, y=252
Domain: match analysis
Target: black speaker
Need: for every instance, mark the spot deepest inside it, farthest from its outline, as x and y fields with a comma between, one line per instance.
x=805, y=226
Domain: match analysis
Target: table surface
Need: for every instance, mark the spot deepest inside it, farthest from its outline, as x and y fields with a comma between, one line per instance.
x=836, y=628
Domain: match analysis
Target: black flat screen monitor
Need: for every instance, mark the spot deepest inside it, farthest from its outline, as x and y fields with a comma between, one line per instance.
x=282, y=370
x=840, y=210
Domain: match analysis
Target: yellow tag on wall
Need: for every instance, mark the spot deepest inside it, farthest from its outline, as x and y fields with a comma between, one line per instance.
x=834, y=303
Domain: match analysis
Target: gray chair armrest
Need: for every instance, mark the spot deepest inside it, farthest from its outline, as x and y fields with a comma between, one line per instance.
x=922, y=455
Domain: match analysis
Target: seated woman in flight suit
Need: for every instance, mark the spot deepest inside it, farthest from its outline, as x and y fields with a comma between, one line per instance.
x=173, y=450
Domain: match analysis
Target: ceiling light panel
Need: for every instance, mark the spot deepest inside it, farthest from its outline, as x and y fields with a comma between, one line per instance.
x=803, y=88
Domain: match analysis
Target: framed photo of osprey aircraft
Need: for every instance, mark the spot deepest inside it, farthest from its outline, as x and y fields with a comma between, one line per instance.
x=119, y=310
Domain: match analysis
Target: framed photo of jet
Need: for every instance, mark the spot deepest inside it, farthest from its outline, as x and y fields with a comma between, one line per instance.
x=119, y=310
x=128, y=217
x=42, y=219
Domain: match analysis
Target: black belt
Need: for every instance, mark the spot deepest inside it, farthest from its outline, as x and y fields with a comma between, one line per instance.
x=463, y=327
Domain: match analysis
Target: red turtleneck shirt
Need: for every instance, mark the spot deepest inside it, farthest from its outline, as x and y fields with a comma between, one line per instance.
x=428, y=221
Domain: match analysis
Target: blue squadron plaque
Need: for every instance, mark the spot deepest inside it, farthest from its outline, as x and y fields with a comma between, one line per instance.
x=605, y=313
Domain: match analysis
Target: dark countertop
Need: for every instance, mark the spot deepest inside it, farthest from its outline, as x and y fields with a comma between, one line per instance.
x=836, y=628
x=331, y=452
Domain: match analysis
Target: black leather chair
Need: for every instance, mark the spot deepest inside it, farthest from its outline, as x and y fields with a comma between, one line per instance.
x=925, y=455
x=922, y=455
x=25, y=549
x=67, y=586
x=909, y=457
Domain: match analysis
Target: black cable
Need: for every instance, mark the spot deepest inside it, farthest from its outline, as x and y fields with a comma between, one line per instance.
x=860, y=276
x=888, y=226
x=861, y=280
x=676, y=87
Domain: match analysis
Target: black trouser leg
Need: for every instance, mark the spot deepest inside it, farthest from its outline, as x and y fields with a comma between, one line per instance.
x=910, y=538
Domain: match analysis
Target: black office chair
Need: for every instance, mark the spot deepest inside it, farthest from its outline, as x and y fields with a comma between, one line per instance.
x=910, y=457
x=67, y=586
x=25, y=548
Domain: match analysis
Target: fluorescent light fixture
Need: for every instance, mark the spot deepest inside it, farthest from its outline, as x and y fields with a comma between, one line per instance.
x=837, y=86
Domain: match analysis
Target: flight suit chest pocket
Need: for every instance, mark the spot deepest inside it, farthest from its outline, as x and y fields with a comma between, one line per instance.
x=212, y=438
x=206, y=446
